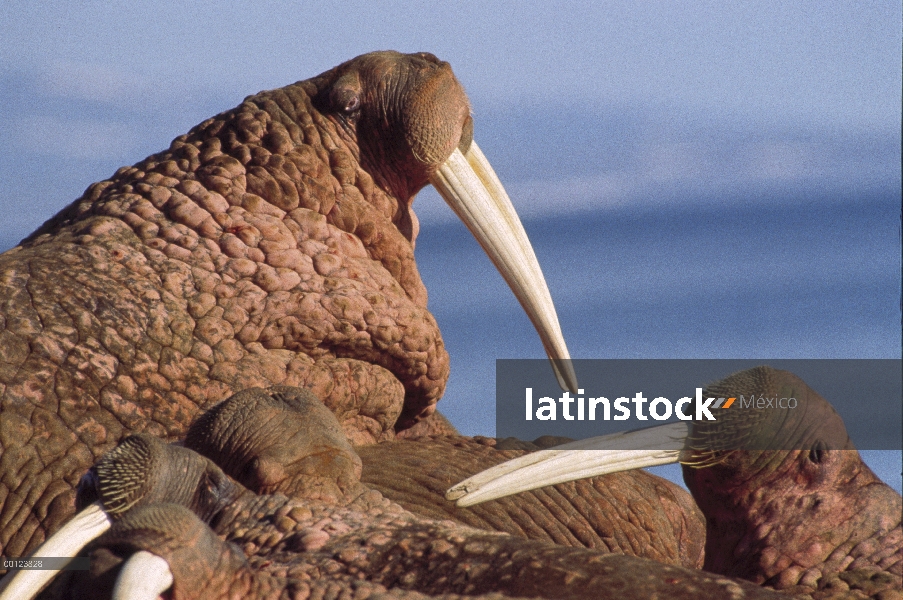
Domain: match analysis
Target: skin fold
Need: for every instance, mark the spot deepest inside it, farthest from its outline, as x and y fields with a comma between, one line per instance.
x=226, y=539
x=283, y=440
x=271, y=245
x=217, y=571
x=632, y=513
x=787, y=500
x=806, y=520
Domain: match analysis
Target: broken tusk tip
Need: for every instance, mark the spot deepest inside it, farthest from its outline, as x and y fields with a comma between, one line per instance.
x=455, y=492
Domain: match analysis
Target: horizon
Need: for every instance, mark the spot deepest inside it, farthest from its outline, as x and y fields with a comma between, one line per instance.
x=641, y=119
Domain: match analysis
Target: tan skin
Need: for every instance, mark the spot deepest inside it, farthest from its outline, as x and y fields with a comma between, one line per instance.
x=272, y=244
x=362, y=542
x=281, y=441
x=256, y=424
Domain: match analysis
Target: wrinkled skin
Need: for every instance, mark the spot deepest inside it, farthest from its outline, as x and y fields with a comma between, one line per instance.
x=283, y=440
x=799, y=520
x=364, y=542
x=279, y=440
x=272, y=244
x=435, y=560
x=631, y=513
x=205, y=566
x=787, y=500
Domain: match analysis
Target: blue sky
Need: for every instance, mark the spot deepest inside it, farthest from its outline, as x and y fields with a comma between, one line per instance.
x=783, y=89
x=622, y=112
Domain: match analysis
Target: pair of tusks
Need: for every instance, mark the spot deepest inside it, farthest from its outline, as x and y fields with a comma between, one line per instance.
x=144, y=576
x=471, y=188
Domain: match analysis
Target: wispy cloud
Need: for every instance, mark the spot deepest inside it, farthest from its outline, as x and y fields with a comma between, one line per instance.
x=84, y=111
x=722, y=164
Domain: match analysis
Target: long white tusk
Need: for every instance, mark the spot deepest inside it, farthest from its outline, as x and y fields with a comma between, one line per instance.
x=144, y=576
x=85, y=526
x=576, y=460
x=473, y=190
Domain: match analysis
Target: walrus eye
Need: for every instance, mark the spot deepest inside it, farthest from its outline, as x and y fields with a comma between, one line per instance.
x=818, y=452
x=352, y=104
x=249, y=472
x=343, y=98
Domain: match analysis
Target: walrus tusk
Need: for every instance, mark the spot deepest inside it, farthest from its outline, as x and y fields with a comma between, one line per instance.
x=575, y=460
x=473, y=190
x=144, y=576
x=85, y=526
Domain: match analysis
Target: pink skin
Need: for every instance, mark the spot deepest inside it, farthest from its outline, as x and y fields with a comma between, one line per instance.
x=789, y=517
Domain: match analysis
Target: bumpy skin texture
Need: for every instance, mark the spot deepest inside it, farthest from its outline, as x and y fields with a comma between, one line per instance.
x=303, y=549
x=272, y=244
x=282, y=440
x=284, y=547
x=814, y=521
x=204, y=566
